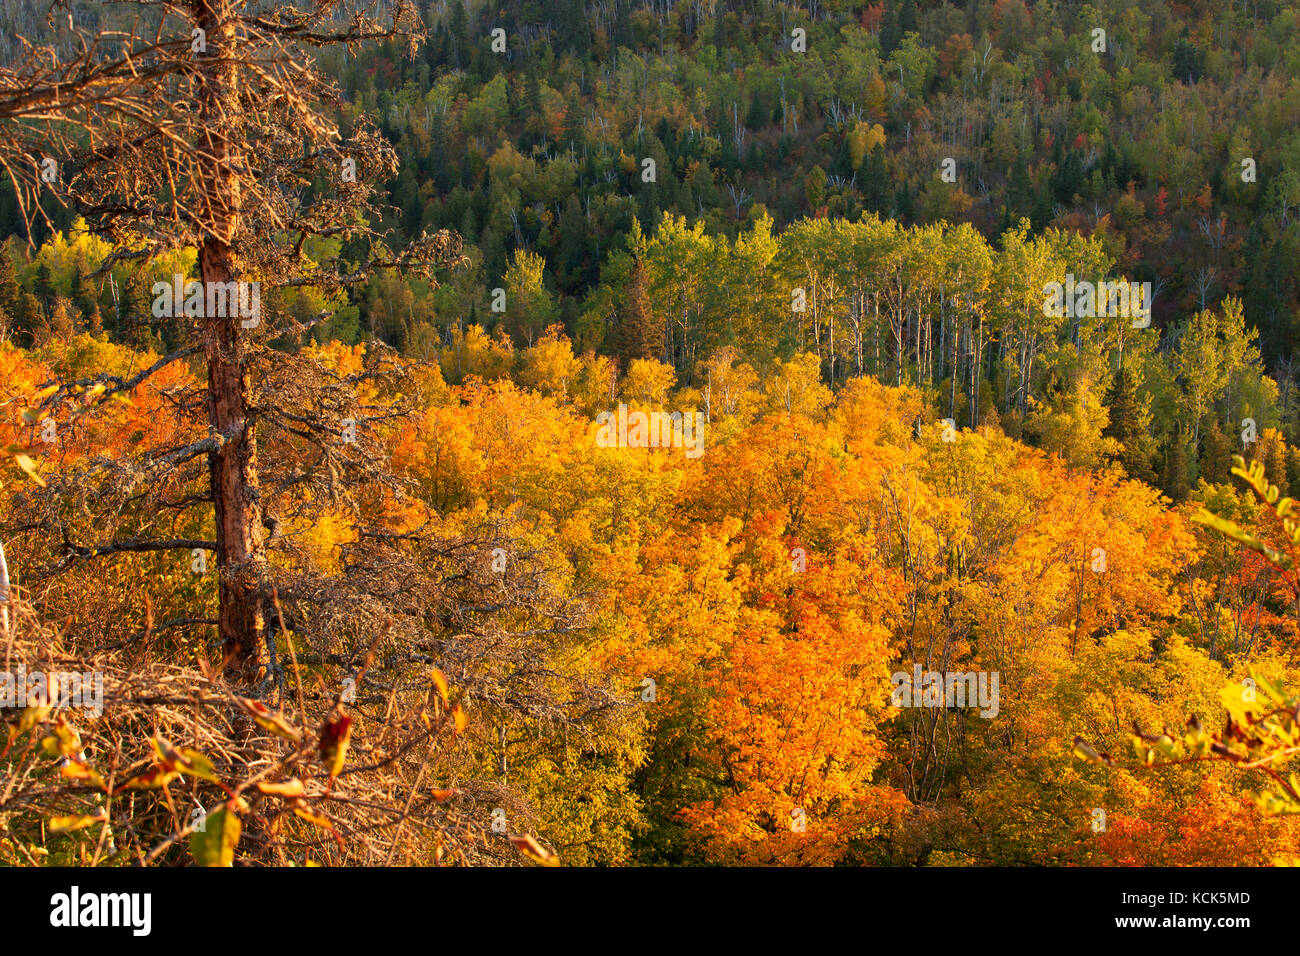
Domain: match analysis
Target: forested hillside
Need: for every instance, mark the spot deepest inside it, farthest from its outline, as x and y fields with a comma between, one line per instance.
x=1170, y=157
x=404, y=560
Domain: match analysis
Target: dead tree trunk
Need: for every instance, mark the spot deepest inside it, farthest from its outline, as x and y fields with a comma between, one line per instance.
x=241, y=556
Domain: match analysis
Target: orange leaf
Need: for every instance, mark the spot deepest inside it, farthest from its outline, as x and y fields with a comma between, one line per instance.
x=74, y=770
x=269, y=720
x=440, y=681
x=310, y=817
x=290, y=788
x=151, y=779
x=534, y=851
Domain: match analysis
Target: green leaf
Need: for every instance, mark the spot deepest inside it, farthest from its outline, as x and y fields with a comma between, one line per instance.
x=214, y=845
x=1167, y=748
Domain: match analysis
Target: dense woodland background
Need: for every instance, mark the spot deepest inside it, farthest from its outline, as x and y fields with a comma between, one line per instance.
x=776, y=171
x=1123, y=163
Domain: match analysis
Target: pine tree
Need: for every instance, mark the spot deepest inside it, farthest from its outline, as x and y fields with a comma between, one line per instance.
x=459, y=30
x=907, y=20
x=29, y=323
x=1216, y=455
x=640, y=335
x=890, y=32
x=1293, y=467
x=572, y=135
x=572, y=248
x=873, y=177
x=137, y=319
x=43, y=286
x=814, y=189
x=84, y=294
x=1272, y=451
x=532, y=112
x=439, y=167
x=572, y=34
x=62, y=323
x=9, y=289
x=1128, y=426
x=1176, y=484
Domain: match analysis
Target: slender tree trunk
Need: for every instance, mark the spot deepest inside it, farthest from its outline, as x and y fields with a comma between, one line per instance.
x=830, y=346
x=955, y=370
x=4, y=595
x=942, y=354
x=875, y=306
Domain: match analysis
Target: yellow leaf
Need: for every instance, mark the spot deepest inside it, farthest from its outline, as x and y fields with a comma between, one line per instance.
x=70, y=823
x=29, y=466
x=33, y=715
x=65, y=741
x=1084, y=751
x=1233, y=698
